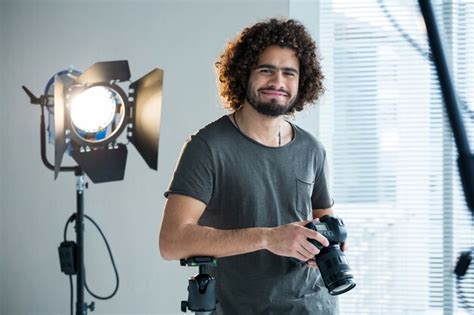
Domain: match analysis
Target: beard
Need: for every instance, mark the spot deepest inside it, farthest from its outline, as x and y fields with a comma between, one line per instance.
x=272, y=108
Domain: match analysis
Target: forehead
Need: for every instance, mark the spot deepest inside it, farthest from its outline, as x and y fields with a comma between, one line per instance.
x=279, y=56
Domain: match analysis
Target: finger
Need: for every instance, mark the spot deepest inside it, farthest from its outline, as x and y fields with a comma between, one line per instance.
x=302, y=255
x=310, y=248
x=344, y=246
x=317, y=236
x=312, y=263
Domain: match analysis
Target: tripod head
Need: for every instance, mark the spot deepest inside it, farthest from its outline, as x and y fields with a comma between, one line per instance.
x=201, y=288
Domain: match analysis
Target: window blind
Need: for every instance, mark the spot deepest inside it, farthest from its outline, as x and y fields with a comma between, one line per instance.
x=392, y=157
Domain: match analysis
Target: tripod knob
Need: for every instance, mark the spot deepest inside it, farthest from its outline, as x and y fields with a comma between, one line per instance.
x=91, y=306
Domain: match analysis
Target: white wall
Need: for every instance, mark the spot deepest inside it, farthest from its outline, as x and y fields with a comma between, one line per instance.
x=38, y=39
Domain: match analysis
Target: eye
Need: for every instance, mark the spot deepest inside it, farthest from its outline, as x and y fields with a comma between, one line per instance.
x=266, y=71
x=289, y=74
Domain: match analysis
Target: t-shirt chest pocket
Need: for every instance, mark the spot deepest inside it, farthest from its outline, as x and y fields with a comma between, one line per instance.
x=304, y=190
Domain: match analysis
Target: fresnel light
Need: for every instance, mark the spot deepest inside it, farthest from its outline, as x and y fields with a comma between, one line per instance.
x=89, y=112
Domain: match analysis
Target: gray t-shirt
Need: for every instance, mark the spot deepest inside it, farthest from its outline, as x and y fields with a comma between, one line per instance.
x=246, y=184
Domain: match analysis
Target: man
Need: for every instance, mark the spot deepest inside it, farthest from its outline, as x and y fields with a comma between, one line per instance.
x=246, y=184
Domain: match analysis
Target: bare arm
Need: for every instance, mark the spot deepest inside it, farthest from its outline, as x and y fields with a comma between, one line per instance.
x=318, y=213
x=182, y=237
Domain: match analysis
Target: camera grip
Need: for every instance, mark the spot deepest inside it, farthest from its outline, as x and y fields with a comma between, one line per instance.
x=311, y=226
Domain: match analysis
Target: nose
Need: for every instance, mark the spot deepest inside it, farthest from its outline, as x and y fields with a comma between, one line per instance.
x=276, y=80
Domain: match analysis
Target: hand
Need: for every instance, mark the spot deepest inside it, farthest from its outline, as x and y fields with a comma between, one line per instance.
x=312, y=262
x=344, y=247
x=291, y=240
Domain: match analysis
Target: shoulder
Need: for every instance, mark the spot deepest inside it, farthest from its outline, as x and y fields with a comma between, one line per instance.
x=215, y=128
x=209, y=139
x=304, y=138
x=214, y=133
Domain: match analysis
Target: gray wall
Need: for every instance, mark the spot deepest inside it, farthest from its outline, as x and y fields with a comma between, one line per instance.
x=38, y=39
x=2, y=150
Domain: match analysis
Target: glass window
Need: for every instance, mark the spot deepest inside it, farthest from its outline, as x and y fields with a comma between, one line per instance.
x=392, y=156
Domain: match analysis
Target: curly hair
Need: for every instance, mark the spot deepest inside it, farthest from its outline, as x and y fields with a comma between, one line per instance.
x=241, y=56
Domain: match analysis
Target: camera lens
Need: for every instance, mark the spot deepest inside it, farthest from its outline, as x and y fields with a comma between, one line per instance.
x=335, y=270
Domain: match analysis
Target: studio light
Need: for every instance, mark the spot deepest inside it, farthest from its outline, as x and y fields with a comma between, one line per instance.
x=88, y=114
x=90, y=111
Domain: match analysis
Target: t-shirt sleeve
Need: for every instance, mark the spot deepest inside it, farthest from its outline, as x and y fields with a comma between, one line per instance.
x=321, y=198
x=194, y=175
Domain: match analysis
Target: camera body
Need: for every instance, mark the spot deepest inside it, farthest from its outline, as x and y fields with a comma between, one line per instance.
x=331, y=227
x=332, y=262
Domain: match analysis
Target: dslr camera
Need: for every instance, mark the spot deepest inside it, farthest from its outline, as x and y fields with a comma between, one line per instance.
x=332, y=262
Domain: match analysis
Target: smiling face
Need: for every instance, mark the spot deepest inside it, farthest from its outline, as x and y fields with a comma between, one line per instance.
x=273, y=83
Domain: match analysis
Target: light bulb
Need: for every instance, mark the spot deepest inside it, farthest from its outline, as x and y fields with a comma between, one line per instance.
x=93, y=110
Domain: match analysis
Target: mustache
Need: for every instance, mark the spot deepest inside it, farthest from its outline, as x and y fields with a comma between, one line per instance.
x=270, y=88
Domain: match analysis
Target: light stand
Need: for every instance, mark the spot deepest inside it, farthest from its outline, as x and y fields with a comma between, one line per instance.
x=81, y=185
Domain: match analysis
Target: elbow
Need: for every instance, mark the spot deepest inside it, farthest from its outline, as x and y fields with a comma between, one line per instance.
x=169, y=249
x=164, y=252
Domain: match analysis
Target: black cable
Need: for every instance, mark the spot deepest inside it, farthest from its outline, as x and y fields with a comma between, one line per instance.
x=72, y=294
x=425, y=53
x=70, y=220
x=405, y=35
x=113, y=264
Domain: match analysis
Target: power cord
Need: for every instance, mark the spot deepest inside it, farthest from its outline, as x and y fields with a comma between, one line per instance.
x=113, y=264
x=72, y=245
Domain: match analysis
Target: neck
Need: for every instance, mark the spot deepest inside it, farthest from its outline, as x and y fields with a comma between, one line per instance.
x=263, y=129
